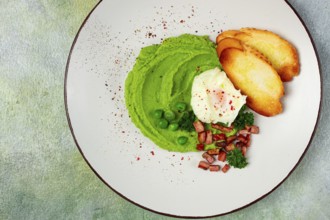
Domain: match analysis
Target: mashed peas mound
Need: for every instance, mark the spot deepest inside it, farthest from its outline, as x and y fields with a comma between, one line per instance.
x=162, y=77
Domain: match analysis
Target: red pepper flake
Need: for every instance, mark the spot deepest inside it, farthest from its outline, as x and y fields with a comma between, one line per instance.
x=182, y=21
x=232, y=108
x=138, y=158
x=152, y=153
x=230, y=102
x=182, y=158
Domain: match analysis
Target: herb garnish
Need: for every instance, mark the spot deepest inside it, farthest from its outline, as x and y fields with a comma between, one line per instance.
x=236, y=159
x=243, y=118
x=186, y=121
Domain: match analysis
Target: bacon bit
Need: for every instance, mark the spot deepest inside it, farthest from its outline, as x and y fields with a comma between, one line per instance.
x=254, y=129
x=201, y=137
x=243, y=132
x=222, y=156
x=214, y=168
x=221, y=144
x=208, y=157
x=218, y=137
x=241, y=138
x=230, y=139
x=221, y=128
x=244, y=149
x=248, y=140
x=199, y=126
x=214, y=151
x=203, y=165
x=239, y=144
x=209, y=138
x=230, y=147
x=225, y=168
x=200, y=147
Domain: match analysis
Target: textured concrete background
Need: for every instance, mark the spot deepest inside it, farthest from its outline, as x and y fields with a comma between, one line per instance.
x=43, y=175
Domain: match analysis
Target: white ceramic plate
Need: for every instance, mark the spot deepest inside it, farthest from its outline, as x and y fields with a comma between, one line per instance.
x=170, y=183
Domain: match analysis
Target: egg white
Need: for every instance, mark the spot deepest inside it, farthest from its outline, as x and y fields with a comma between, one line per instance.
x=214, y=97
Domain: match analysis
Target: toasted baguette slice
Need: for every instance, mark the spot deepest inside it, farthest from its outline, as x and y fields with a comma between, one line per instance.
x=280, y=53
x=228, y=42
x=225, y=34
x=251, y=73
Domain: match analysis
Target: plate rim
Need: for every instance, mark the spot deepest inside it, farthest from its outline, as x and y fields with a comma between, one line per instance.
x=182, y=216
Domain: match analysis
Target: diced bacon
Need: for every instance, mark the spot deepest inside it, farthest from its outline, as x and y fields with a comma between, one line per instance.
x=200, y=147
x=201, y=137
x=248, y=140
x=222, y=156
x=208, y=157
x=199, y=126
x=230, y=139
x=214, y=151
x=203, y=165
x=244, y=149
x=221, y=144
x=252, y=129
x=240, y=144
x=243, y=132
x=219, y=137
x=214, y=168
x=222, y=128
x=225, y=168
x=230, y=147
x=209, y=138
x=241, y=138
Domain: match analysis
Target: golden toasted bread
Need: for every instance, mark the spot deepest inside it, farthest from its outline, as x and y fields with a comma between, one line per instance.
x=252, y=73
x=280, y=53
x=228, y=43
x=225, y=34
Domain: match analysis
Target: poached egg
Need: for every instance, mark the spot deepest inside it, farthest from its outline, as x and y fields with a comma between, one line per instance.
x=214, y=97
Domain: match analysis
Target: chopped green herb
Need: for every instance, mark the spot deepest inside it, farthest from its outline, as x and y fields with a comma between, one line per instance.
x=243, y=118
x=236, y=159
x=186, y=121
